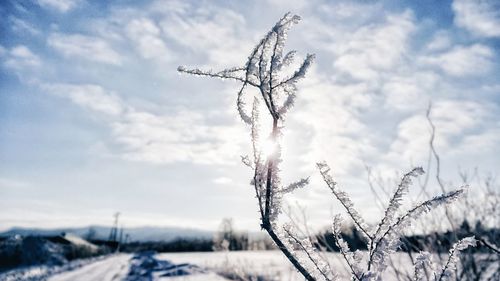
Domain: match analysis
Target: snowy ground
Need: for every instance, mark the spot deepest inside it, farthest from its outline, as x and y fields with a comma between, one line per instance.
x=74, y=270
x=126, y=267
x=272, y=265
x=208, y=266
x=113, y=268
x=245, y=263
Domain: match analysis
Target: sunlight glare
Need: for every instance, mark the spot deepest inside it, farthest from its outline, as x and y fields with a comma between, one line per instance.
x=268, y=148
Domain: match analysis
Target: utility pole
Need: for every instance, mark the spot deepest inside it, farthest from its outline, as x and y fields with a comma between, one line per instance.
x=114, y=230
x=121, y=235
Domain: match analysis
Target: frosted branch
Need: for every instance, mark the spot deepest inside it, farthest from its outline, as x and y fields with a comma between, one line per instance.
x=353, y=260
x=287, y=60
x=448, y=269
x=224, y=74
x=296, y=185
x=246, y=161
x=389, y=240
x=344, y=199
x=395, y=202
x=300, y=73
x=306, y=246
x=423, y=261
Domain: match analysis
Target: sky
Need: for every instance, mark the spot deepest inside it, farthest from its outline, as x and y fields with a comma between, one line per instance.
x=95, y=119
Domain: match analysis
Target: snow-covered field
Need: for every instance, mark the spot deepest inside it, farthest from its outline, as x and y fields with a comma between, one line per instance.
x=206, y=266
x=254, y=263
x=270, y=264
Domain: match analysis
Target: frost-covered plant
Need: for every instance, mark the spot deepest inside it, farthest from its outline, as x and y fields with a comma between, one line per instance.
x=425, y=262
x=448, y=270
x=480, y=206
x=266, y=71
x=385, y=238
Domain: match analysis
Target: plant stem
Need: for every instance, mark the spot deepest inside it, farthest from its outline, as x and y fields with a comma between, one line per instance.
x=266, y=223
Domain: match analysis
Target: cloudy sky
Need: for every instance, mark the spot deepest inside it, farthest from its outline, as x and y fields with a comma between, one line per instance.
x=95, y=119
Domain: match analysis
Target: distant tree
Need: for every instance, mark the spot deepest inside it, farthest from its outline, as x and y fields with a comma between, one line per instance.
x=266, y=72
x=465, y=227
x=227, y=239
x=176, y=245
x=91, y=234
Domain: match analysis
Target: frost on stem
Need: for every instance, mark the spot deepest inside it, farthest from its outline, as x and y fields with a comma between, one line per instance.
x=448, y=270
x=319, y=266
x=265, y=71
x=395, y=202
x=423, y=262
x=296, y=185
x=389, y=240
x=353, y=259
x=344, y=199
x=385, y=240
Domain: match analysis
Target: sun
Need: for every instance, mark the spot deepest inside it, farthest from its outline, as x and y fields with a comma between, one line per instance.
x=268, y=148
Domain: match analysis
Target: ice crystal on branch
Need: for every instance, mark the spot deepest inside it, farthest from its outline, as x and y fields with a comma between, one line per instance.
x=353, y=260
x=263, y=70
x=389, y=240
x=423, y=262
x=344, y=199
x=448, y=269
x=319, y=266
x=395, y=202
x=296, y=185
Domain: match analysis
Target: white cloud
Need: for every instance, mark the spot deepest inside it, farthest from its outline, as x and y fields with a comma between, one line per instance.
x=401, y=94
x=23, y=53
x=376, y=55
x=463, y=60
x=454, y=117
x=219, y=34
x=169, y=6
x=146, y=35
x=440, y=41
x=86, y=47
x=409, y=92
x=350, y=11
x=286, y=4
x=91, y=97
x=411, y=143
x=21, y=57
x=455, y=121
x=181, y=136
x=62, y=6
x=375, y=47
x=20, y=26
x=483, y=142
x=480, y=17
x=223, y=181
x=344, y=139
x=389, y=74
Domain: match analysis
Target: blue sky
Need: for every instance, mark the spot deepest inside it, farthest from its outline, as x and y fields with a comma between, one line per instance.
x=95, y=119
